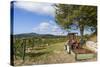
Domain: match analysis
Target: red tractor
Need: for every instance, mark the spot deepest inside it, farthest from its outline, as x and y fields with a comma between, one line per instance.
x=73, y=42
x=74, y=46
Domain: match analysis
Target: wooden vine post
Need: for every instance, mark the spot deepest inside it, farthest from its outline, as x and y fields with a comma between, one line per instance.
x=15, y=50
x=23, y=49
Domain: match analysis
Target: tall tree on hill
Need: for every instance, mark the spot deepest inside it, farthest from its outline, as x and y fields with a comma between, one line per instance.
x=85, y=17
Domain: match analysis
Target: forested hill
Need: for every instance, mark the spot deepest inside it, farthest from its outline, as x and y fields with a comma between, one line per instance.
x=35, y=35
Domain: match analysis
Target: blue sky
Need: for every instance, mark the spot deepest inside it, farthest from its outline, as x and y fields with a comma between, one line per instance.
x=35, y=17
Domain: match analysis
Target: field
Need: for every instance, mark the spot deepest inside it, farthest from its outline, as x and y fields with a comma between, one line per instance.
x=51, y=51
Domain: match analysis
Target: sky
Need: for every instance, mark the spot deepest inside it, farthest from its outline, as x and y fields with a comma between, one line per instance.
x=35, y=17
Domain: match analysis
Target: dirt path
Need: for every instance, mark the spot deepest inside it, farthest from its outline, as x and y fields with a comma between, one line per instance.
x=60, y=55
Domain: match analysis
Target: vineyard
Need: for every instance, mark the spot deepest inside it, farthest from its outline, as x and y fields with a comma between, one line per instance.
x=41, y=50
x=31, y=47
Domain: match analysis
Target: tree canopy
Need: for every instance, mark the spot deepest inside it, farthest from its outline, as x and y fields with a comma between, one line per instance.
x=82, y=15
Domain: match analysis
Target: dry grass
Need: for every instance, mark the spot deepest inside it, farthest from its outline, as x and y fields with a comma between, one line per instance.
x=52, y=54
x=93, y=38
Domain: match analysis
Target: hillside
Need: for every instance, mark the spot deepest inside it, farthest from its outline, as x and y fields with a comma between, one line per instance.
x=26, y=35
x=30, y=35
x=93, y=38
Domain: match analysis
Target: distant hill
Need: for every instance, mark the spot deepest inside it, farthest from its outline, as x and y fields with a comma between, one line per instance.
x=32, y=35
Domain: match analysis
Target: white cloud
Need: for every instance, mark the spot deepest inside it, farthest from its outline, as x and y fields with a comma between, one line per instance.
x=43, y=26
x=40, y=8
x=48, y=28
x=55, y=28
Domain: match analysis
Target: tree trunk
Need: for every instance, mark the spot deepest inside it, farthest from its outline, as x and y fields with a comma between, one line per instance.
x=81, y=33
x=81, y=30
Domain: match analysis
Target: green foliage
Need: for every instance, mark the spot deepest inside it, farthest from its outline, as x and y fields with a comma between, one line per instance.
x=86, y=16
